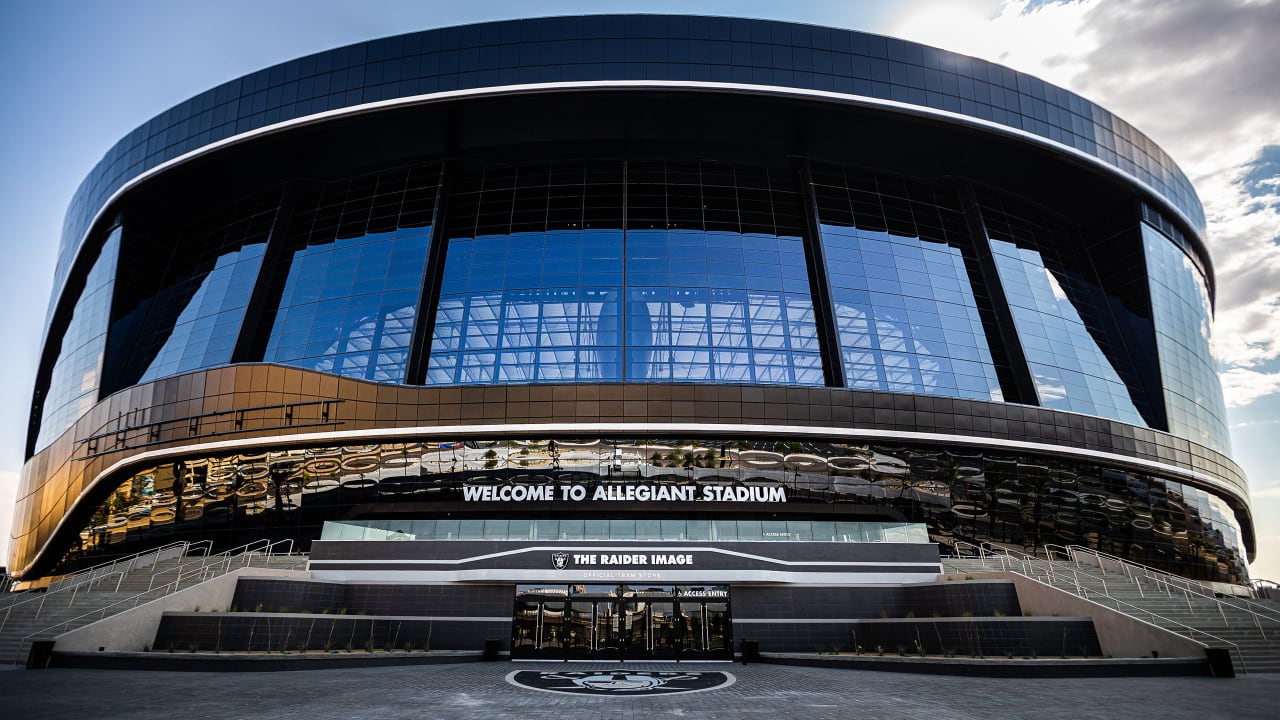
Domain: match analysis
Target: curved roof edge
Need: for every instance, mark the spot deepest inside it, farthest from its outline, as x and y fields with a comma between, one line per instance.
x=618, y=48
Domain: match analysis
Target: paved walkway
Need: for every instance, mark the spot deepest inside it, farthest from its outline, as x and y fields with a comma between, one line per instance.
x=480, y=690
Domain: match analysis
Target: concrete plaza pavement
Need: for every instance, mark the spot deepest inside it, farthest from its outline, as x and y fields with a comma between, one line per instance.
x=480, y=690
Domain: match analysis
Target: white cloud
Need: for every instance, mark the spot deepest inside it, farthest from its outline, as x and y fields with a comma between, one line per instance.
x=1241, y=386
x=1050, y=41
x=1200, y=79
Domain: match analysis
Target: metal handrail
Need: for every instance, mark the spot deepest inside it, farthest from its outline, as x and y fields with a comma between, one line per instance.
x=43, y=597
x=983, y=550
x=1027, y=561
x=1076, y=572
x=98, y=573
x=108, y=566
x=1263, y=586
x=287, y=541
x=1083, y=593
x=116, y=561
x=1207, y=593
x=1128, y=565
x=990, y=550
x=206, y=573
x=262, y=547
x=1049, y=548
x=182, y=571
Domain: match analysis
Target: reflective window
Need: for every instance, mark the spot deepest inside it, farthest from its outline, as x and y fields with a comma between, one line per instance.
x=532, y=276
x=715, y=530
x=357, y=253
x=73, y=383
x=181, y=297
x=1059, y=312
x=914, y=493
x=898, y=269
x=719, y=306
x=612, y=271
x=1183, y=322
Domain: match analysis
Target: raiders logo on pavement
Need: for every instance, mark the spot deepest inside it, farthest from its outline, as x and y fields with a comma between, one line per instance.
x=620, y=683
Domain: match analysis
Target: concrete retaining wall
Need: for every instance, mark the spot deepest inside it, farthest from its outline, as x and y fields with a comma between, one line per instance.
x=135, y=628
x=1120, y=635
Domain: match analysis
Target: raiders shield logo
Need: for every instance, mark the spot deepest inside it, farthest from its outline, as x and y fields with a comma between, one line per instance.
x=559, y=560
x=620, y=683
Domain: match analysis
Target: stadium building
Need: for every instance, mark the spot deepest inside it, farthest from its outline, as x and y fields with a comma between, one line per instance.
x=630, y=318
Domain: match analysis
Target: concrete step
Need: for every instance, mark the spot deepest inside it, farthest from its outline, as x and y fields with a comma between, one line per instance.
x=51, y=614
x=1230, y=620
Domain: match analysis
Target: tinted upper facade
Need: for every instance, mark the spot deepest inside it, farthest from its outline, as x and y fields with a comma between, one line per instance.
x=633, y=48
x=633, y=212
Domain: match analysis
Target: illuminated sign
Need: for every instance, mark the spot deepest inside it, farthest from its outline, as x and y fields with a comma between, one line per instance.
x=562, y=560
x=698, y=592
x=623, y=493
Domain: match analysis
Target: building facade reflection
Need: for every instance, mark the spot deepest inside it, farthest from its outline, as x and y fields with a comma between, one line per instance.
x=752, y=281
x=833, y=492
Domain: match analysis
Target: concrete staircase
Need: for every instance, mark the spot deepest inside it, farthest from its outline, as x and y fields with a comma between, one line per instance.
x=1253, y=626
x=29, y=616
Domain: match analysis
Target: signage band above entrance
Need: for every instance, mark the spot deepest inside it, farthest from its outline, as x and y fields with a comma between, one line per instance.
x=622, y=493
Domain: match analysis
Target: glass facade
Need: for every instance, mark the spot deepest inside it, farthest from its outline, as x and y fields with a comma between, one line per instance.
x=521, y=308
x=837, y=492
x=652, y=271
x=1060, y=314
x=1183, y=325
x=73, y=383
x=531, y=287
x=180, y=302
x=817, y=270
x=636, y=47
x=637, y=271
x=628, y=529
x=898, y=264
x=352, y=281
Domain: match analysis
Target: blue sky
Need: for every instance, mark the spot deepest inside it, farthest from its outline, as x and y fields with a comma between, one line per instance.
x=77, y=76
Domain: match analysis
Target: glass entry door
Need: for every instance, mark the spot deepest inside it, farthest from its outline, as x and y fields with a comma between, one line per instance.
x=665, y=643
x=580, y=626
x=621, y=622
x=635, y=630
x=706, y=630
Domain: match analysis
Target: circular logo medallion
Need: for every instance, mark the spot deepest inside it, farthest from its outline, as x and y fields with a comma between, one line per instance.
x=620, y=683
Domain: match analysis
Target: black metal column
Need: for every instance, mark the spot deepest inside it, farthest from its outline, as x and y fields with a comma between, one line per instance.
x=1016, y=383
x=819, y=287
x=424, y=321
x=264, y=300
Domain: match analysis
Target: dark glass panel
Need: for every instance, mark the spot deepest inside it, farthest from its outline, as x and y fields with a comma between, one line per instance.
x=73, y=384
x=350, y=286
x=905, y=309
x=715, y=289
x=1060, y=309
x=1183, y=318
x=181, y=299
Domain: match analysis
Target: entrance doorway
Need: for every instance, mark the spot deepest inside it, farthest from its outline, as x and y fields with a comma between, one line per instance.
x=622, y=622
